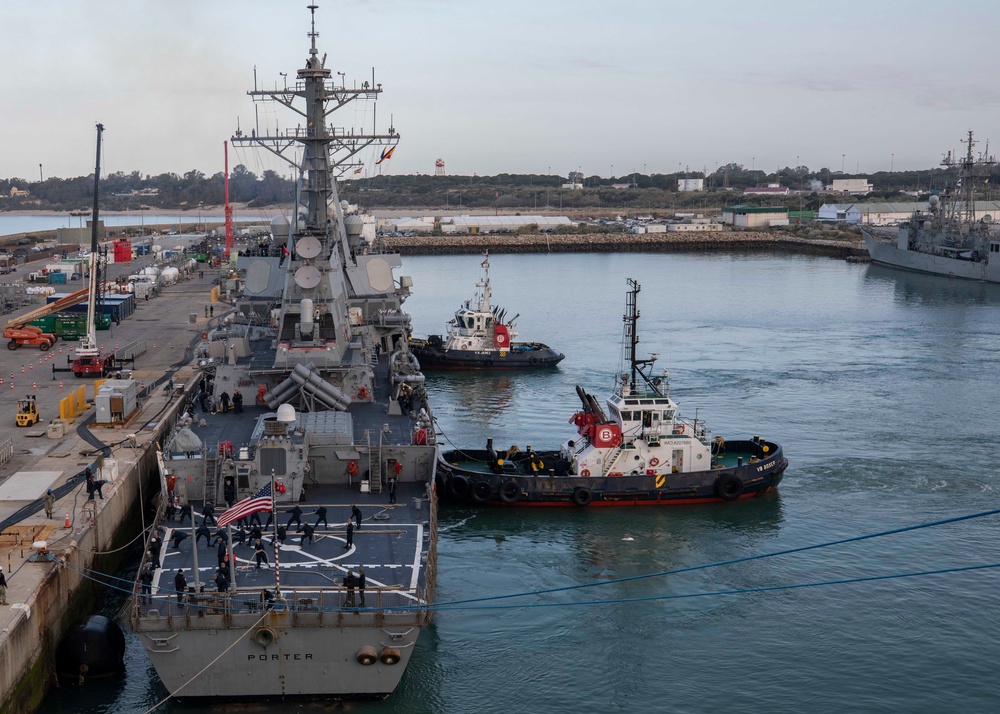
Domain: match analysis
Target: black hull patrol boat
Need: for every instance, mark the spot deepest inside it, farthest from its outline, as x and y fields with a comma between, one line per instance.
x=481, y=337
x=640, y=453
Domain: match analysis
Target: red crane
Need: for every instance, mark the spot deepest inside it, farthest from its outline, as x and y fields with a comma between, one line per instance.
x=229, y=209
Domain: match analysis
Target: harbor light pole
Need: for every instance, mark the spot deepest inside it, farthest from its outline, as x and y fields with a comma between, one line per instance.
x=842, y=162
x=40, y=179
x=892, y=162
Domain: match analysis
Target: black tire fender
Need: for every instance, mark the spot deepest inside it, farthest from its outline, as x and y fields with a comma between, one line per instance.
x=458, y=486
x=481, y=491
x=510, y=492
x=582, y=496
x=729, y=487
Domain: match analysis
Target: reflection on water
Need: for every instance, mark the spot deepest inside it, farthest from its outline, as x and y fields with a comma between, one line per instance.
x=910, y=286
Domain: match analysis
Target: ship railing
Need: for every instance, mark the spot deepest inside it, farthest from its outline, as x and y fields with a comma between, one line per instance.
x=298, y=607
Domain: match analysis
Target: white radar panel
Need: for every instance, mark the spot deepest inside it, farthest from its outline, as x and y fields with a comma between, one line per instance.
x=307, y=277
x=308, y=247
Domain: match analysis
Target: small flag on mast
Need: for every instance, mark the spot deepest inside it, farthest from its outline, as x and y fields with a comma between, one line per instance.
x=385, y=155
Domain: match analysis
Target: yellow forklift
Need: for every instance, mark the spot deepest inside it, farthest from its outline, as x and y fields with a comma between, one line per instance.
x=27, y=411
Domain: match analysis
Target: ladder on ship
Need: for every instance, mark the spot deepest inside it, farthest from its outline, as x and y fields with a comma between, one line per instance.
x=211, y=475
x=375, y=470
x=606, y=466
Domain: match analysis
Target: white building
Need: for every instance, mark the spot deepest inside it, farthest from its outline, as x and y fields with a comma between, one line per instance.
x=500, y=224
x=853, y=185
x=881, y=214
x=772, y=189
x=699, y=227
x=754, y=217
x=573, y=186
x=692, y=184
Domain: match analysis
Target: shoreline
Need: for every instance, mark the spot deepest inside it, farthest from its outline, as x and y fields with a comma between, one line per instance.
x=624, y=242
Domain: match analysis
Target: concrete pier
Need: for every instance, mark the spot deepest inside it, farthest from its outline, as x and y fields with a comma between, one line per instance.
x=47, y=594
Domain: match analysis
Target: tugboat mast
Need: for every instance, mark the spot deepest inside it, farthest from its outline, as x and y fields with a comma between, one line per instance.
x=631, y=341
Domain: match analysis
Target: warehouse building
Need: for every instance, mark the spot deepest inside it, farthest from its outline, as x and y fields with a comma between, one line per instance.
x=754, y=216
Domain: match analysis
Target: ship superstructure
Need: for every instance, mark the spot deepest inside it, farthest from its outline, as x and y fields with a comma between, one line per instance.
x=307, y=393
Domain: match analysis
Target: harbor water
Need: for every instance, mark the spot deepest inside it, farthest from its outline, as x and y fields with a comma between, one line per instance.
x=880, y=385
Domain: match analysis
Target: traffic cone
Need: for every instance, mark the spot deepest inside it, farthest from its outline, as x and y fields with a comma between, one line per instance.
x=34, y=385
x=22, y=369
x=31, y=367
x=66, y=523
x=60, y=384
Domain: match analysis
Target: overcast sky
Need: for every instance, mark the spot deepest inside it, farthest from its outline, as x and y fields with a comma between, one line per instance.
x=519, y=86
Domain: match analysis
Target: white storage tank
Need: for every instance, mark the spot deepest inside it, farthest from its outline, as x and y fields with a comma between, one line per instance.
x=169, y=276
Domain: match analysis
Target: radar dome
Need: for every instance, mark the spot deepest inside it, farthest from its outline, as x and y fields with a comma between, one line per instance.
x=286, y=414
x=934, y=200
x=280, y=229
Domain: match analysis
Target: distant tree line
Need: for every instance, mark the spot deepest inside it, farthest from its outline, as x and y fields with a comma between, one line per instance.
x=724, y=186
x=129, y=191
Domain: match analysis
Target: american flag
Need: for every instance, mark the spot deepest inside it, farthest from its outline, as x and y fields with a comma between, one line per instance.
x=260, y=501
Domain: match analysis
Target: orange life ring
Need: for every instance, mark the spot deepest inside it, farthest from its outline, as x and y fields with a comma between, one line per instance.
x=352, y=468
x=679, y=429
x=654, y=461
x=585, y=473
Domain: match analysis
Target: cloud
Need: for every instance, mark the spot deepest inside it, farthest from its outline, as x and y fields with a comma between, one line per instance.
x=585, y=63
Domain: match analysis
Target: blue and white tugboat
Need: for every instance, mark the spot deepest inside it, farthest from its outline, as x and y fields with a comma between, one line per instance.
x=481, y=337
x=639, y=452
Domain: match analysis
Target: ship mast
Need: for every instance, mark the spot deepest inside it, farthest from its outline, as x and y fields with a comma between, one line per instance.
x=972, y=171
x=313, y=324
x=630, y=341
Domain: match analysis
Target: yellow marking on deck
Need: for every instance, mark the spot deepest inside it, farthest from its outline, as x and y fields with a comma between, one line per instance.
x=661, y=479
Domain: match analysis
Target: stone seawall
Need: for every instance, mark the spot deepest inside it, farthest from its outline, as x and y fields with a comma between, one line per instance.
x=620, y=242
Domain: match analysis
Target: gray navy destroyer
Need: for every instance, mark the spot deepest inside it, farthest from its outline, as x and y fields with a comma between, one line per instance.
x=306, y=392
x=950, y=238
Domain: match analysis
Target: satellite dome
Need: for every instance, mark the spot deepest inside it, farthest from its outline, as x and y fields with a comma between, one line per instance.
x=286, y=414
x=934, y=200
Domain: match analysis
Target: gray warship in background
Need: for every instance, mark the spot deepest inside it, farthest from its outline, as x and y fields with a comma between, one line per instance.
x=953, y=237
x=333, y=415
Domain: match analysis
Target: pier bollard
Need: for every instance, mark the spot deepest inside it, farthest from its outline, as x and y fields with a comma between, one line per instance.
x=66, y=524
